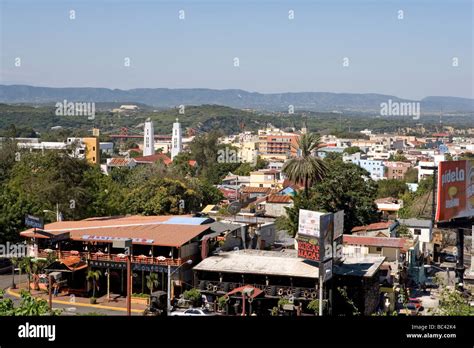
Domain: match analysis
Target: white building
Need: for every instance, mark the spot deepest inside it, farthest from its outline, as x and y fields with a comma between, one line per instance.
x=177, y=140
x=148, y=139
x=423, y=229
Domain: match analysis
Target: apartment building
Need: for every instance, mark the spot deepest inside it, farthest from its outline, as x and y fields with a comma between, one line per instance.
x=396, y=170
x=375, y=168
x=276, y=144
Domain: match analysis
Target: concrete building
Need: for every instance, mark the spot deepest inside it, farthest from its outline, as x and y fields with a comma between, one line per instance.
x=375, y=168
x=396, y=170
x=391, y=248
x=274, y=143
x=177, y=140
x=265, y=178
x=148, y=139
x=423, y=229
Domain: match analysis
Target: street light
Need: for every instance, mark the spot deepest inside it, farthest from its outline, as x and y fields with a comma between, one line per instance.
x=168, y=297
x=56, y=212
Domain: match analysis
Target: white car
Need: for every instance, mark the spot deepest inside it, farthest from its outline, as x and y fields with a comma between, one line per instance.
x=193, y=312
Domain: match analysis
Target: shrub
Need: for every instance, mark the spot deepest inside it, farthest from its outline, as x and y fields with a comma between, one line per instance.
x=192, y=295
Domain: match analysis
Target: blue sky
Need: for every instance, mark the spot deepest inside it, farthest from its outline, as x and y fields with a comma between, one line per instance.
x=410, y=58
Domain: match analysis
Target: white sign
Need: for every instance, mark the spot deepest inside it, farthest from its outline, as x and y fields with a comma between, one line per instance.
x=308, y=223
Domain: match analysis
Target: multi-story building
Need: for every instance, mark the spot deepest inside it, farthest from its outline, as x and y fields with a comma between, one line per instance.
x=396, y=170
x=274, y=143
x=375, y=168
x=266, y=178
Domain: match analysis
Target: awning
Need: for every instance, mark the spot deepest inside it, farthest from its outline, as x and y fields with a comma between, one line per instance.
x=256, y=291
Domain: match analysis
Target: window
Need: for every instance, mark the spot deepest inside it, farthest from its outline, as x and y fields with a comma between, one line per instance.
x=417, y=231
x=378, y=249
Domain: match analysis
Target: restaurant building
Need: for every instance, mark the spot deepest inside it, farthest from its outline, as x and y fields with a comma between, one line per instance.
x=274, y=275
x=157, y=242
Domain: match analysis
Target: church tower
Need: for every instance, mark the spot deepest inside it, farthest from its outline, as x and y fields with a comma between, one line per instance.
x=176, y=141
x=148, y=139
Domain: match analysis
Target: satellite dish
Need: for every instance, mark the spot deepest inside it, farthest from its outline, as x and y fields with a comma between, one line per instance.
x=234, y=208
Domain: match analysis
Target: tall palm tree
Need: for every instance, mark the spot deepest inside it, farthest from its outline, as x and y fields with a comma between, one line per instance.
x=152, y=281
x=306, y=169
x=94, y=276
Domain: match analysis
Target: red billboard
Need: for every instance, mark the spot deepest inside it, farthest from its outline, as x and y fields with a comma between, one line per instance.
x=455, y=190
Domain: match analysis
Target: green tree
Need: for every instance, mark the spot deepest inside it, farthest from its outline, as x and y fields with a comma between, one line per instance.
x=152, y=281
x=347, y=187
x=391, y=188
x=94, y=277
x=306, y=168
x=352, y=150
x=411, y=175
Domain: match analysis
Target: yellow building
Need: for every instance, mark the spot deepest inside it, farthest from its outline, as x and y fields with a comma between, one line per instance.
x=92, y=149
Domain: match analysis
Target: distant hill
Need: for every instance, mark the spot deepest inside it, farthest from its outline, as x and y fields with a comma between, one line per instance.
x=236, y=98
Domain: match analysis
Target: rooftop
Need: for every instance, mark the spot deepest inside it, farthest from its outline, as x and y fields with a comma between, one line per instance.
x=416, y=223
x=374, y=241
x=147, y=230
x=375, y=226
x=285, y=263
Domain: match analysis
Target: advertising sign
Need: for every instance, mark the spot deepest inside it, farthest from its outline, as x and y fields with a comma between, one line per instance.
x=308, y=223
x=309, y=248
x=455, y=190
x=315, y=235
x=33, y=221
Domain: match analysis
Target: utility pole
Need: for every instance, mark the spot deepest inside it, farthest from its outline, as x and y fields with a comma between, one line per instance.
x=129, y=283
x=168, y=292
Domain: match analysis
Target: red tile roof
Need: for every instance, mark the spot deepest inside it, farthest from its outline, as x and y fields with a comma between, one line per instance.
x=120, y=162
x=137, y=227
x=154, y=158
x=374, y=241
x=279, y=199
x=374, y=226
x=248, y=189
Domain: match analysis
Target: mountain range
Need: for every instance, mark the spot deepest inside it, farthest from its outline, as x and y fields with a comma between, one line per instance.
x=236, y=98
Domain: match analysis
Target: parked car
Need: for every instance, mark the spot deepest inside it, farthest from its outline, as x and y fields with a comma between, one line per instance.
x=193, y=312
x=157, y=305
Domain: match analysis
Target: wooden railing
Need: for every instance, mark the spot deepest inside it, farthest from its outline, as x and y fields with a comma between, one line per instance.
x=147, y=260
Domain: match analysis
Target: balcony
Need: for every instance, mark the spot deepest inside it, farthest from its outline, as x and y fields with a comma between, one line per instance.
x=98, y=256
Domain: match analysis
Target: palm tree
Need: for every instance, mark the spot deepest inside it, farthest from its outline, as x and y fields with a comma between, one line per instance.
x=306, y=168
x=94, y=276
x=152, y=281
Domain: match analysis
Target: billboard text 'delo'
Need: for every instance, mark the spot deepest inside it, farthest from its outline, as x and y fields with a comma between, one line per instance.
x=455, y=190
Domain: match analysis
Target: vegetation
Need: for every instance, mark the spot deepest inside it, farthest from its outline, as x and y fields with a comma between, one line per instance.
x=152, y=281
x=352, y=150
x=193, y=295
x=306, y=169
x=29, y=306
x=452, y=303
x=94, y=277
x=346, y=187
x=313, y=305
x=391, y=188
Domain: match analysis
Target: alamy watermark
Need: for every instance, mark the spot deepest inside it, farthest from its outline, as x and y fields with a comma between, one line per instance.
x=230, y=155
x=394, y=108
x=13, y=250
x=66, y=108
